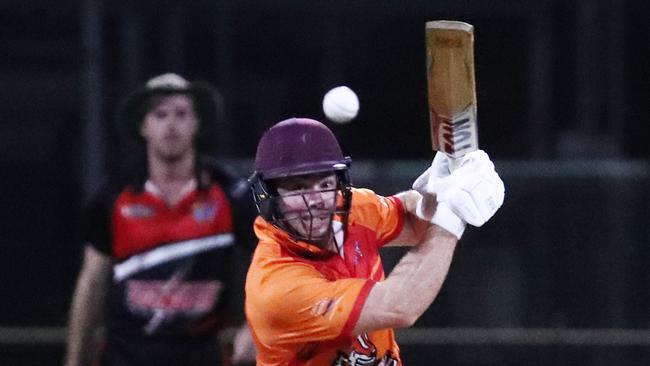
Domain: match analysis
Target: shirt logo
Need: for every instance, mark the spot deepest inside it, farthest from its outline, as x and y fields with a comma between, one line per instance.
x=163, y=302
x=136, y=210
x=364, y=353
x=204, y=211
x=146, y=296
x=323, y=307
x=358, y=253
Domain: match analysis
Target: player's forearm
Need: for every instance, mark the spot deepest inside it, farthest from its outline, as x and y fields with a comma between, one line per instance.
x=418, y=277
x=85, y=310
x=412, y=285
x=84, y=318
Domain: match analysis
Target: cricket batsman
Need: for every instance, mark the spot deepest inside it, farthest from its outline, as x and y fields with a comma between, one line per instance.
x=316, y=291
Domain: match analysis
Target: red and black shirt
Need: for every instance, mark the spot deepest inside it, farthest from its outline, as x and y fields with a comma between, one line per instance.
x=173, y=265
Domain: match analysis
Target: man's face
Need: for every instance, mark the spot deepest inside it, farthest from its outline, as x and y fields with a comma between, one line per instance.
x=307, y=204
x=170, y=126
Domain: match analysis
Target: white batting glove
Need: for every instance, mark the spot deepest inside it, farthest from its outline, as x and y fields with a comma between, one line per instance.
x=430, y=185
x=474, y=191
x=439, y=169
x=471, y=194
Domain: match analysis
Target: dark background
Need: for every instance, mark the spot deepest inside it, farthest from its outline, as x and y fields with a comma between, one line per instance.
x=563, y=90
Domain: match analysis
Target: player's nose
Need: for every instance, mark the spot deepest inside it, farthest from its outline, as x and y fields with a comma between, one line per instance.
x=314, y=199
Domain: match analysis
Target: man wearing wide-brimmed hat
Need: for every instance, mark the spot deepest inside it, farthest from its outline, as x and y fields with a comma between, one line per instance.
x=163, y=243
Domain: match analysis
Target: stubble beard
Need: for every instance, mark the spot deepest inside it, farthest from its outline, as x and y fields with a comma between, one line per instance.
x=172, y=154
x=316, y=230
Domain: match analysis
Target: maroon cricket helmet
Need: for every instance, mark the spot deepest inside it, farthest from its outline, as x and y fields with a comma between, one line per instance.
x=293, y=147
x=297, y=146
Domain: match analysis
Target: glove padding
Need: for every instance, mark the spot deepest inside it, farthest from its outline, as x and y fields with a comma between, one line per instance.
x=473, y=192
x=427, y=184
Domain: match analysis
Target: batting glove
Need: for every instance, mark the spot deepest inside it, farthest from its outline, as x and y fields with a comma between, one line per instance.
x=474, y=191
x=471, y=194
x=430, y=185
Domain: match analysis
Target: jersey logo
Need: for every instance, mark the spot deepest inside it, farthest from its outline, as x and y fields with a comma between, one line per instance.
x=162, y=302
x=324, y=306
x=358, y=253
x=204, y=211
x=364, y=353
x=136, y=210
x=172, y=296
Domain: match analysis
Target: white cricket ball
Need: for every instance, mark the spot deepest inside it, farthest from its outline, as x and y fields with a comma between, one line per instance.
x=340, y=104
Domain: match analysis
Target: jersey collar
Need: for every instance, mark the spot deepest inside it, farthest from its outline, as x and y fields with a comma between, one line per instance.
x=151, y=188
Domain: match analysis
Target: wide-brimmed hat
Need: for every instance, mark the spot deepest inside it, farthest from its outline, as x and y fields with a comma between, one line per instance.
x=133, y=108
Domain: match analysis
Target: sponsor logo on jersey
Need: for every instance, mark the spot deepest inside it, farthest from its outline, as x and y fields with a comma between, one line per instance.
x=364, y=353
x=145, y=296
x=164, y=302
x=136, y=210
x=204, y=211
x=323, y=306
x=358, y=254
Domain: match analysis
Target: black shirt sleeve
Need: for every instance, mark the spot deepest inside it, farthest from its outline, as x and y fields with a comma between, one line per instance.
x=96, y=222
x=238, y=190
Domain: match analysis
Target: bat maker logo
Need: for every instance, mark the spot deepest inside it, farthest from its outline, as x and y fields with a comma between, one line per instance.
x=456, y=136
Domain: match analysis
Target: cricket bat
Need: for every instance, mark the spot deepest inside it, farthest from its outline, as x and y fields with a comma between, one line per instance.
x=451, y=87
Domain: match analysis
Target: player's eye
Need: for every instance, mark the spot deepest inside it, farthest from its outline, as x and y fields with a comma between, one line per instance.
x=297, y=188
x=181, y=113
x=160, y=114
x=329, y=183
x=292, y=188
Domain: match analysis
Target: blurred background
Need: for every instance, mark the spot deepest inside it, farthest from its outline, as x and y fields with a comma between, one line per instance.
x=559, y=276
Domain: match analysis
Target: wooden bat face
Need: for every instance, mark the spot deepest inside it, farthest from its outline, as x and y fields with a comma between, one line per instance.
x=451, y=87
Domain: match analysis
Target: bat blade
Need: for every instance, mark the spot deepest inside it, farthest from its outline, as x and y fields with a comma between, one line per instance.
x=451, y=87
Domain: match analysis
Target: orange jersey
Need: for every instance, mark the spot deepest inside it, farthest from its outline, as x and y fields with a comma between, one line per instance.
x=302, y=302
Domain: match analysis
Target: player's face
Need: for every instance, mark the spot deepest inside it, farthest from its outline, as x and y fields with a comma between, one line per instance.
x=170, y=126
x=307, y=204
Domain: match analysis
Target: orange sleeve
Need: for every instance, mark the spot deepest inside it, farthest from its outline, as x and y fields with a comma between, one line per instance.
x=384, y=215
x=302, y=306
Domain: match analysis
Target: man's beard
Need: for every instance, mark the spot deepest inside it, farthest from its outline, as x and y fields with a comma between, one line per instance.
x=314, y=229
x=172, y=154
